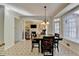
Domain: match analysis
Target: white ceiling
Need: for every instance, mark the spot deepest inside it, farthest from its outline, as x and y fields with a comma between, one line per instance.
x=67, y=9
x=37, y=9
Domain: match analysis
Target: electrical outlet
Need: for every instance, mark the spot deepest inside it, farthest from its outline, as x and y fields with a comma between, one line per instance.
x=67, y=44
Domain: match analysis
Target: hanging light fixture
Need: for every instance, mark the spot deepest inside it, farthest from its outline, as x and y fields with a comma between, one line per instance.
x=45, y=22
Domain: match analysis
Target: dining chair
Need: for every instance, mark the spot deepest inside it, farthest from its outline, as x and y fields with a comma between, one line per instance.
x=47, y=45
x=56, y=42
x=35, y=44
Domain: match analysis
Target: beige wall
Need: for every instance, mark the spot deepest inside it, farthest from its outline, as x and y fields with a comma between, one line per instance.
x=19, y=29
x=13, y=28
x=1, y=24
x=8, y=29
x=50, y=28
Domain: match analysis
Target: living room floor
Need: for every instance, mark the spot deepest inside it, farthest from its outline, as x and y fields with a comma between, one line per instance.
x=23, y=48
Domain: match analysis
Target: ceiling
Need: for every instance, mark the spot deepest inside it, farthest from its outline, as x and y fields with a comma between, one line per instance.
x=37, y=9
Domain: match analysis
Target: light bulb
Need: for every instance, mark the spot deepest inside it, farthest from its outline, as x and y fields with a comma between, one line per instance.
x=47, y=22
x=43, y=23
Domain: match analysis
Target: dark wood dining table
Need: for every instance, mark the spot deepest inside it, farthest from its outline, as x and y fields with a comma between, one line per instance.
x=41, y=38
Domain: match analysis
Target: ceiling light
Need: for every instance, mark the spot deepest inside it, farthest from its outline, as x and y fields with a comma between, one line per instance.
x=45, y=22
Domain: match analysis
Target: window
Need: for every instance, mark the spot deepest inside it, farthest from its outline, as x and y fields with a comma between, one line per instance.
x=70, y=26
x=56, y=25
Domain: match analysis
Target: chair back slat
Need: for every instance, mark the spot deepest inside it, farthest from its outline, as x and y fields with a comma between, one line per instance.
x=47, y=44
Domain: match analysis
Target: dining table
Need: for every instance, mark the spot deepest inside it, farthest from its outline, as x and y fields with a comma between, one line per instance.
x=40, y=38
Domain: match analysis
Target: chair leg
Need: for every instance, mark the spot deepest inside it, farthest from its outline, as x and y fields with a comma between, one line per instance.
x=39, y=48
x=52, y=52
x=32, y=49
x=57, y=47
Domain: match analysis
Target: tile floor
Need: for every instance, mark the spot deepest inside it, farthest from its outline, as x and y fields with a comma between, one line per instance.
x=23, y=48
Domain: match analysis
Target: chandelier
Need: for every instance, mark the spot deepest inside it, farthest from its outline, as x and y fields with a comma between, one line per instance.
x=45, y=22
